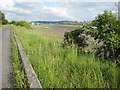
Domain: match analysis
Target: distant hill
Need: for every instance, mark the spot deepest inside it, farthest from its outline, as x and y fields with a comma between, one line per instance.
x=50, y=22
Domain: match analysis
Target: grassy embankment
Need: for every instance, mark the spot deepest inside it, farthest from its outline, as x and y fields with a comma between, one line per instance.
x=19, y=77
x=60, y=67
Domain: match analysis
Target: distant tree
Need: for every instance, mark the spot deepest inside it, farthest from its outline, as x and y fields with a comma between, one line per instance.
x=13, y=22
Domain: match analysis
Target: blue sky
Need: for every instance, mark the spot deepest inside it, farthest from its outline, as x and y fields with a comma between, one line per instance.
x=32, y=10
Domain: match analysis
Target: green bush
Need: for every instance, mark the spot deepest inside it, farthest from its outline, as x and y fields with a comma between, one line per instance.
x=21, y=23
x=24, y=24
x=75, y=37
x=106, y=30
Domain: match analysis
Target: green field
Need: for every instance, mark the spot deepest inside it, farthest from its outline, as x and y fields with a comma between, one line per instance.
x=63, y=67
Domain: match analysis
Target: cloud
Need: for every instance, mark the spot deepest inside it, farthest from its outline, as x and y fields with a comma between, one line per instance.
x=81, y=0
x=8, y=15
x=41, y=10
x=9, y=5
x=6, y=4
x=62, y=12
x=30, y=1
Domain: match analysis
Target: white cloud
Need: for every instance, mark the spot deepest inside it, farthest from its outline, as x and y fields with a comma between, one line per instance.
x=93, y=11
x=19, y=1
x=62, y=12
x=39, y=10
x=9, y=5
x=4, y=4
x=8, y=16
x=81, y=0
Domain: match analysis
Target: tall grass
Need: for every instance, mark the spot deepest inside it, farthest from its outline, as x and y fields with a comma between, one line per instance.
x=20, y=80
x=58, y=67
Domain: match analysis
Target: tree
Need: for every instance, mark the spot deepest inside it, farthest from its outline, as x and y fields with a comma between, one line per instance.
x=13, y=22
x=107, y=31
x=2, y=19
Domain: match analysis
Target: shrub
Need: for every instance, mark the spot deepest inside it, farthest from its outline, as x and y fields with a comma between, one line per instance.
x=107, y=31
x=23, y=24
x=75, y=37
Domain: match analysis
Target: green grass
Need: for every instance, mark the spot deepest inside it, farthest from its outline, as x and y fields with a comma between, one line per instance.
x=19, y=77
x=0, y=28
x=3, y=26
x=58, y=67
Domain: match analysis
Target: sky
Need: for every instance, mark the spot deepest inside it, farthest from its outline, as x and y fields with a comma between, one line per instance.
x=52, y=10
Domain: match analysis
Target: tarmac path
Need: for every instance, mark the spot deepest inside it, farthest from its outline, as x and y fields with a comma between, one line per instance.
x=5, y=56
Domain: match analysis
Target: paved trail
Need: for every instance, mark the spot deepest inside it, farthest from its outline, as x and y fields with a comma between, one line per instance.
x=6, y=62
x=0, y=59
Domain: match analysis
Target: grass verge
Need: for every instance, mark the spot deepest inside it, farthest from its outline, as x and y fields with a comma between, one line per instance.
x=20, y=80
x=3, y=26
x=58, y=67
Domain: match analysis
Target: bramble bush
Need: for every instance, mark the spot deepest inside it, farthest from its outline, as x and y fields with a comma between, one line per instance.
x=106, y=29
x=75, y=37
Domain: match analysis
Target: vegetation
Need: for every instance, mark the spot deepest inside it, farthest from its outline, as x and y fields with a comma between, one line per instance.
x=13, y=22
x=22, y=23
x=75, y=37
x=3, y=21
x=3, y=26
x=104, y=29
x=19, y=76
x=64, y=67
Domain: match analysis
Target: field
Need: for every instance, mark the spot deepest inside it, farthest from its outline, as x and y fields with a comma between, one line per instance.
x=63, y=67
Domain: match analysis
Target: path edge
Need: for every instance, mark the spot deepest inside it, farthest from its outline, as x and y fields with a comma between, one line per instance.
x=29, y=71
